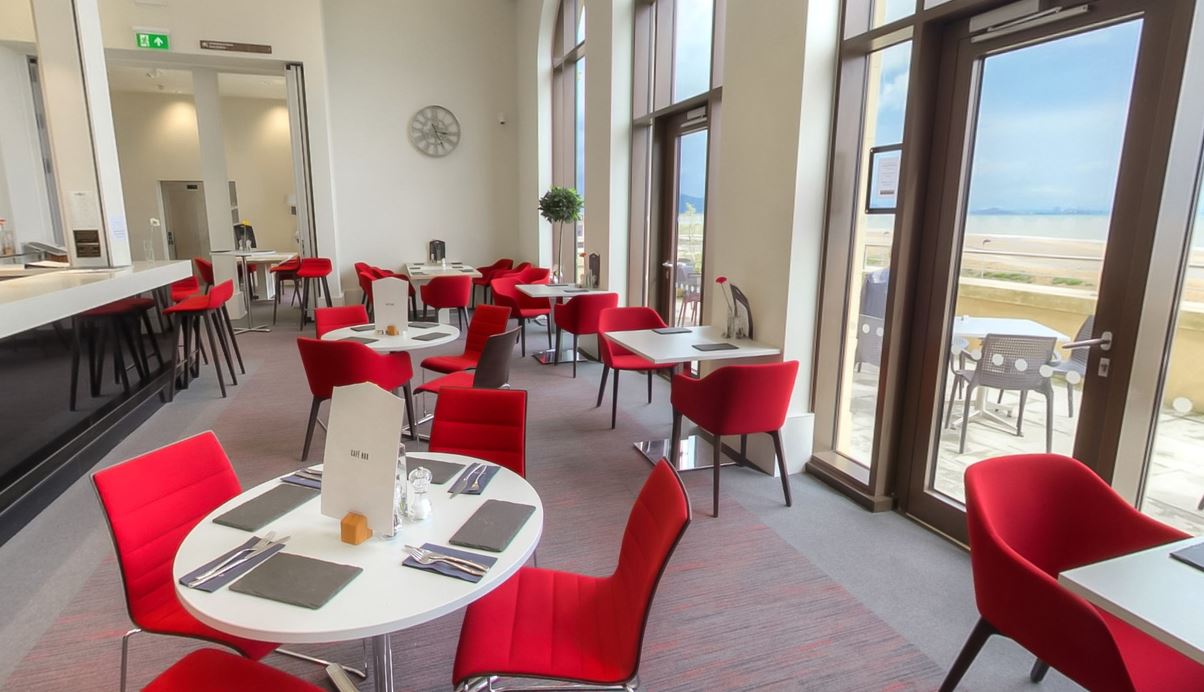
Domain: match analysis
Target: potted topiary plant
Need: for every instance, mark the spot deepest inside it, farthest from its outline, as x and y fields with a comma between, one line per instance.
x=560, y=205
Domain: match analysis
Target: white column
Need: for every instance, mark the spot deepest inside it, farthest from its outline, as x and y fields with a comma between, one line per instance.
x=79, y=117
x=216, y=177
x=536, y=21
x=608, y=44
x=766, y=231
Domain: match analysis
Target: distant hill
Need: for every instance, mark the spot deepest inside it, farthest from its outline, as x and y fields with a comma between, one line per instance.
x=699, y=203
x=1052, y=211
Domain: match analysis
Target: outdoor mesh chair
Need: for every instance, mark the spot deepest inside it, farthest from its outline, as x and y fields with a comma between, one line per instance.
x=1009, y=363
x=871, y=319
x=1077, y=362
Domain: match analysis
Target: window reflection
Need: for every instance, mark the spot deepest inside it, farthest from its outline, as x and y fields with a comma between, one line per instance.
x=692, y=48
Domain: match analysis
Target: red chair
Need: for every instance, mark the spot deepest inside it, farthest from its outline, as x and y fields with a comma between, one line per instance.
x=330, y=319
x=615, y=357
x=330, y=364
x=487, y=320
x=151, y=502
x=737, y=400
x=579, y=316
x=285, y=271
x=211, y=670
x=311, y=270
x=534, y=275
x=491, y=372
x=450, y=292
x=488, y=274
x=185, y=288
x=1031, y=517
x=204, y=269
x=208, y=309
x=378, y=273
x=489, y=424
x=522, y=306
x=546, y=624
x=513, y=271
x=365, y=279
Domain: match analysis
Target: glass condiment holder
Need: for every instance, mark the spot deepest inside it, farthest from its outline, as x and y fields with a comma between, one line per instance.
x=419, y=506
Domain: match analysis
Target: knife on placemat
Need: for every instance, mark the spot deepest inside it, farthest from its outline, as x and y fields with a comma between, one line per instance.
x=462, y=482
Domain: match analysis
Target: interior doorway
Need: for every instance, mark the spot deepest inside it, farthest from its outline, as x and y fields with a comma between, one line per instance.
x=184, y=226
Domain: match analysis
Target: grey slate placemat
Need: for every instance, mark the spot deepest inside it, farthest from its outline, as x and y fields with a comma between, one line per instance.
x=256, y=513
x=297, y=580
x=493, y=525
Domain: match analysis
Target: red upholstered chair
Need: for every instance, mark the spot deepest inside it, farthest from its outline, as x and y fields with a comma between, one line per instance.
x=1032, y=516
x=522, y=307
x=615, y=357
x=489, y=424
x=210, y=310
x=151, y=502
x=330, y=364
x=378, y=273
x=492, y=371
x=365, y=279
x=487, y=274
x=330, y=319
x=513, y=271
x=313, y=269
x=534, y=275
x=204, y=269
x=737, y=400
x=285, y=271
x=450, y=292
x=579, y=316
x=487, y=320
x=547, y=624
x=211, y=670
x=184, y=288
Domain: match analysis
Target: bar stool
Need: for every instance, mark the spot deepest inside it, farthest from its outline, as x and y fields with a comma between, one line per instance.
x=736, y=400
x=119, y=326
x=311, y=269
x=579, y=316
x=285, y=271
x=451, y=292
x=209, y=309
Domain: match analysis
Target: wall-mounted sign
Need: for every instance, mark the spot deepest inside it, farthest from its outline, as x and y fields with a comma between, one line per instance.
x=234, y=47
x=152, y=41
x=882, y=193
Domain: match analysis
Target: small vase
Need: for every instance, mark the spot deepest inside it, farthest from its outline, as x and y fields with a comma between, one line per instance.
x=729, y=330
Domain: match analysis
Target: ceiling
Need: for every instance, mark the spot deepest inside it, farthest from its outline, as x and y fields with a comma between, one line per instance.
x=155, y=80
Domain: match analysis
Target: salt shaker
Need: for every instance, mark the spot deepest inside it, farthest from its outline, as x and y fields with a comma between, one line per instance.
x=419, y=507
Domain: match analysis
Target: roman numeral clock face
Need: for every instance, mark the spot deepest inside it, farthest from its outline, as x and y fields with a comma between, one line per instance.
x=434, y=131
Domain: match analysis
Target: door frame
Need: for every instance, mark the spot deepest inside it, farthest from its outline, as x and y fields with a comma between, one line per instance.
x=669, y=131
x=1157, y=80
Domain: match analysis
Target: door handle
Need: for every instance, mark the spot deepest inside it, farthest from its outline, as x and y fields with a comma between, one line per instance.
x=1104, y=341
x=667, y=265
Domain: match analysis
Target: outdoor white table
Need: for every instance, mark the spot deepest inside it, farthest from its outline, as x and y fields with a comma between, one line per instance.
x=970, y=327
x=385, y=598
x=555, y=293
x=402, y=342
x=262, y=258
x=695, y=451
x=1151, y=591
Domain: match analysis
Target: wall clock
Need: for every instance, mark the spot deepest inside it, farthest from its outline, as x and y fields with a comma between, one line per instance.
x=434, y=131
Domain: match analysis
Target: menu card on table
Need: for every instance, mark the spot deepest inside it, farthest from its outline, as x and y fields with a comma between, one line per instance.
x=361, y=454
x=390, y=302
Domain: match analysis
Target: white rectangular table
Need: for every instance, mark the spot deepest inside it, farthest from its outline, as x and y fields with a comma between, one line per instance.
x=679, y=348
x=1151, y=591
x=555, y=293
x=422, y=272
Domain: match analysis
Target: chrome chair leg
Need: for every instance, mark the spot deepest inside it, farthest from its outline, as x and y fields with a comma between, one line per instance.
x=125, y=653
x=361, y=674
x=532, y=685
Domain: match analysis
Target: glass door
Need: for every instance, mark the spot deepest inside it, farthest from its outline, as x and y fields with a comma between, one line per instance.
x=1035, y=196
x=683, y=218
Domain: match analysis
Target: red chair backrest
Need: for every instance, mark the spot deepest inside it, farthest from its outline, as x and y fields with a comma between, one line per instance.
x=313, y=267
x=489, y=424
x=487, y=320
x=289, y=265
x=205, y=268
x=365, y=278
x=737, y=399
x=184, y=288
x=503, y=265
x=219, y=294
x=581, y=314
x=1030, y=517
x=151, y=502
x=655, y=526
x=505, y=293
x=361, y=267
x=330, y=319
x=535, y=275
x=622, y=320
x=330, y=364
x=447, y=291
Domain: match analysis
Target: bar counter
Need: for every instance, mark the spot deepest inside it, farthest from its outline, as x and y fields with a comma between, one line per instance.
x=45, y=445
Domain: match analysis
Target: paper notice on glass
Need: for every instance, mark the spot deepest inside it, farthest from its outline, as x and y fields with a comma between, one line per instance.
x=888, y=178
x=390, y=302
x=83, y=211
x=361, y=454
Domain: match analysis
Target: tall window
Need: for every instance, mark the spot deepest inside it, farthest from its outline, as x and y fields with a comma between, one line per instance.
x=568, y=122
x=675, y=105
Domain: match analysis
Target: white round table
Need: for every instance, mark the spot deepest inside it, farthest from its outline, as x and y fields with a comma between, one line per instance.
x=386, y=597
x=402, y=342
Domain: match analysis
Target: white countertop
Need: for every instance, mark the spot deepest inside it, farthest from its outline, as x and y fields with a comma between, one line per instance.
x=32, y=301
x=1151, y=591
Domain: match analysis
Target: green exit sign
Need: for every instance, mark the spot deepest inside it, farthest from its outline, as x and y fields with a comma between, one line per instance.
x=151, y=41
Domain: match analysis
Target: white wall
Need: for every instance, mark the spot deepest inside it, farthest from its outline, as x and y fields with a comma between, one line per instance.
x=157, y=140
x=23, y=197
x=535, y=22
x=387, y=59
